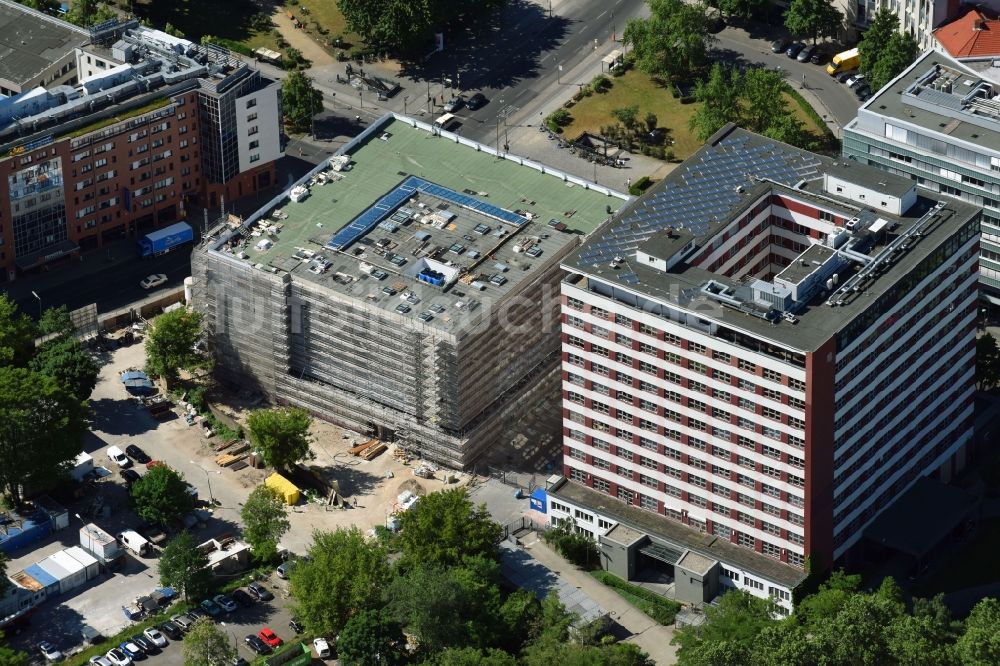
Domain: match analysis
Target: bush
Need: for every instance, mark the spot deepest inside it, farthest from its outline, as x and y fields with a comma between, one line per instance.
x=601, y=83
x=639, y=186
x=577, y=548
x=561, y=117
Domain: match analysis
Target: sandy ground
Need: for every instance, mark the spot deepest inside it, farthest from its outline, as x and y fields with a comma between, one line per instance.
x=299, y=39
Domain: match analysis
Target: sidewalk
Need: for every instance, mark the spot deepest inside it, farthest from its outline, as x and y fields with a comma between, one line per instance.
x=653, y=638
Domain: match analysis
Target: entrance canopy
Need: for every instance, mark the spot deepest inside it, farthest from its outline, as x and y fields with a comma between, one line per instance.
x=662, y=553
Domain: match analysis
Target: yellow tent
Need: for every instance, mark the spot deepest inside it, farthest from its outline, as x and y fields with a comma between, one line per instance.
x=288, y=490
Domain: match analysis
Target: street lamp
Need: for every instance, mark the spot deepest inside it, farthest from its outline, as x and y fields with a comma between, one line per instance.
x=35, y=294
x=208, y=478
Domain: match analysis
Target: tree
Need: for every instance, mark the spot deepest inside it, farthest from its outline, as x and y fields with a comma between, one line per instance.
x=265, y=520
x=742, y=8
x=446, y=607
x=56, y=321
x=884, y=24
x=444, y=528
x=673, y=41
x=17, y=334
x=69, y=363
x=281, y=435
x=184, y=566
x=578, y=548
x=898, y=54
x=720, y=101
x=89, y=12
x=207, y=645
x=41, y=426
x=405, y=24
x=980, y=644
x=813, y=19
x=471, y=657
x=627, y=116
x=161, y=495
x=346, y=576
x=11, y=657
x=520, y=615
x=170, y=343
x=371, y=637
x=987, y=362
x=300, y=101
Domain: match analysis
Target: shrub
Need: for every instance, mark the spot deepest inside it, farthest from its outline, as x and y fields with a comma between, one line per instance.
x=601, y=83
x=561, y=117
x=659, y=608
x=639, y=186
x=577, y=548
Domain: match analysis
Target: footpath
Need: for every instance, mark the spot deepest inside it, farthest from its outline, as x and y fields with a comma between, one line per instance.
x=652, y=637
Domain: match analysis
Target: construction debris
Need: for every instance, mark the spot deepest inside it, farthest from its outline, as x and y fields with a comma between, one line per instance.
x=360, y=449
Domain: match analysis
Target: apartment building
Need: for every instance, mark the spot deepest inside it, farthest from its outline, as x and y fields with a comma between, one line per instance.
x=407, y=289
x=155, y=125
x=759, y=356
x=36, y=49
x=938, y=124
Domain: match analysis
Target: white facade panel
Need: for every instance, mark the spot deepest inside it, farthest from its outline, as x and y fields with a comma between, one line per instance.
x=258, y=127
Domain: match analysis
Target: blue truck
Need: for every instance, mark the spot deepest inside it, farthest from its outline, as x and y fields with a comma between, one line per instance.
x=164, y=240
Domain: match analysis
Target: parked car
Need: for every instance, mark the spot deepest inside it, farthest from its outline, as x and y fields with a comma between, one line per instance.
x=454, y=104
x=224, y=602
x=146, y=645
x=257, y=645
x=778, y=45
x=132, y=650
x=153, y=281
x=182, y=620
x=476, y=101
x=793, y=49
x=130, y=476
x=322, y=647
x=118, y=457
x=211, y=608
x=268, y=636
x=49, y=651
x=239, y=661
x=100, y=660
x=844, y=76
x=296, y=626
x=286, y=567
x=819, y=57
x=259, y=592
x=863, y=93
x=855, y=80
x=137, y=454
x=172, y=630
x=118, y=658
x=242, y=598
x=805, y=53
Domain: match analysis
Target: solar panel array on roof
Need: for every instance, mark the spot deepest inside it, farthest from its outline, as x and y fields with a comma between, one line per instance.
x=385, y=206
x=702, y=193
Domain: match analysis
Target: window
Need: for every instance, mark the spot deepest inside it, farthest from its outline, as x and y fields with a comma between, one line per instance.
x=253, y=130
x=647, y=387
x=648, y=502
x=574, y=303
x=745, y=480
x=600, y=463
x=601, y=485
x=252, y=102
x=770, y=550
x=696, y=348
x=577, y=454
x=648, y=462
x=648, y=481
x=649, y=444
x=772, y=414
x=647, y=405
x=647, y=367
x=721, y=356
x=254, y=158
x=600, y=313
x=723, y=377
x=671, y=339
x=625, y=494
x=253, y=145
x=622, y=320
x=747, y=365
x=772, y=394
x=772, y=375
x=700, y=368
x=251, y=117
x=647, y=349
x=796, y=384
x=646, y=329
x=748, y=386
x=732, y=575
x=750, y=582
x=747, y=541
x=585, y=517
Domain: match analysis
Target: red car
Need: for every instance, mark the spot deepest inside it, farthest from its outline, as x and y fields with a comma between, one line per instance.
x=269, y=637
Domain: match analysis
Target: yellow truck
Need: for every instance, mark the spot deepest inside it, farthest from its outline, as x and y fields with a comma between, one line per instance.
x=843, y=62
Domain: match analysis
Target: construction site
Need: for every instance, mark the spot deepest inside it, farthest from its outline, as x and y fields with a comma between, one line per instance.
x=408, y=289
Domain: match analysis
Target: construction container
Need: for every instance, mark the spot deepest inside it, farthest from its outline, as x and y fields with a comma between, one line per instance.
x=82, y=466
x=57, y=571
x=76, y=572
x=99, y=543
x=33, y=584
x=288, y=491
x=89, y=562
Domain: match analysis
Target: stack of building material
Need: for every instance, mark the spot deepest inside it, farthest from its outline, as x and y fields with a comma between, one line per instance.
x=238, y=452
x=373, y=452
x=361, y=448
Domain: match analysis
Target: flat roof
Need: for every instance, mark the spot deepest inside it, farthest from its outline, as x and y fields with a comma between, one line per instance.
x=729, y=174
x=30, y=41
x=692, y=561
x=416, y=204
x=937, y=103
x=661, y=527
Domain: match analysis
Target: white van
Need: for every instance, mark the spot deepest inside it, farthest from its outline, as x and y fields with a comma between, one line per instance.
x=446, y=122
x=135, y=542
x=118, y=457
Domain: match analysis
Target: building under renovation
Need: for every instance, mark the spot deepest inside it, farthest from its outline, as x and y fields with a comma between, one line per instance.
x=407, y=288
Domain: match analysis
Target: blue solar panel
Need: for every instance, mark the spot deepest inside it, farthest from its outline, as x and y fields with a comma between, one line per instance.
x=385, y=206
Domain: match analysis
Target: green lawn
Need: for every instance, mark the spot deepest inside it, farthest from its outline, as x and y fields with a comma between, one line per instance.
x=328, y=16
x=592, y=113
x=228, y=19
x=972, y=565
x=634, y=87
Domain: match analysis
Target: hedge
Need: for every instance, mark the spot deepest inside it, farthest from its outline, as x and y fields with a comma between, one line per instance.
x=639, y=186
x=659, y=608
x=829, y=138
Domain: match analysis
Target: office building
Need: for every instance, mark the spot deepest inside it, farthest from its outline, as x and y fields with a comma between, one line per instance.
x=408, y=289
x=938, y=123
x=759, y=355
x=36, y=49
x=155, y=125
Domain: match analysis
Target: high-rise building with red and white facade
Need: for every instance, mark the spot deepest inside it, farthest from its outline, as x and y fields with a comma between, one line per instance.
x=759, y=356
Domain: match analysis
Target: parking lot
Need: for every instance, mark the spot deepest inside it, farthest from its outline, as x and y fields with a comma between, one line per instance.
x=120, y=421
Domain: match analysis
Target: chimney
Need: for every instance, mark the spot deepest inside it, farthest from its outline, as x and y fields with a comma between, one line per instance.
x=979, y=25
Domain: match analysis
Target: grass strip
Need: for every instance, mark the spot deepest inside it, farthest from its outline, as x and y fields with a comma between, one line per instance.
x=659, y=608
